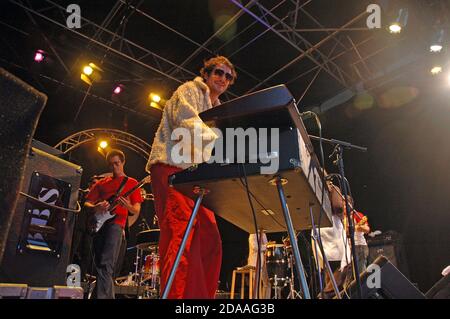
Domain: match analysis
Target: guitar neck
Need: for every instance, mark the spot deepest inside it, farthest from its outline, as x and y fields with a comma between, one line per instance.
x=128, y=193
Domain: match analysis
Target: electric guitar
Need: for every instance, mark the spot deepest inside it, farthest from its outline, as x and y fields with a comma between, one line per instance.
x=97, y=220
x=363, y=221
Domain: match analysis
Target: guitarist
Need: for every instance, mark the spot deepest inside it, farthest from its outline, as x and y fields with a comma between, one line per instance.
x=361, y=228
x=107, y=241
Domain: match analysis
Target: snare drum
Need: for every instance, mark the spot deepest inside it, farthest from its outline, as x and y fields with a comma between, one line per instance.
x=277, y=264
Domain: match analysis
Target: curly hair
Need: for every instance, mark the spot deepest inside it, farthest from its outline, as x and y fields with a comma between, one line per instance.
x=115, y=152
x=209, y=65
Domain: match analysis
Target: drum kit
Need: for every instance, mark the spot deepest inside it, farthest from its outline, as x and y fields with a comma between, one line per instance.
x=146, y=276
x=280, y=269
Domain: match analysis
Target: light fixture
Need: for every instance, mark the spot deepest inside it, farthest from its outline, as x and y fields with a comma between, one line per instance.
x=39, y=56
x=400, y=21
x=155, y=97
x=88, y=70
x=91, y=73
x=395, y=28
x=436, y=70
x=118, y=89
x=437, y=41
x=156, y=106
x=103, y=144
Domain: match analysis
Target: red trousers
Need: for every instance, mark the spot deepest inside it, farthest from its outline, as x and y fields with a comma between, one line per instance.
x=199, y=268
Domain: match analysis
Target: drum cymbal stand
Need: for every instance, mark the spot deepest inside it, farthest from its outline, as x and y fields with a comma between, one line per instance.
x=277, y=289
x=293, y=294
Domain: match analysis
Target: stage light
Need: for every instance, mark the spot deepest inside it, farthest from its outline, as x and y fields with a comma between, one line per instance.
x=155, y=97
x=87, y=70
x=400, y=21
x=39, y=56
x=395, y=28
x=437, y=42
x=103, y=144
x=91, y=73
x=156, y=106
x=435, y=48
x=436, y=70
x=118, y=89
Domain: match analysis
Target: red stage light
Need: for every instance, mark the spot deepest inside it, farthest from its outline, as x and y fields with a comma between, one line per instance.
x=118, y=89
x=39, y=56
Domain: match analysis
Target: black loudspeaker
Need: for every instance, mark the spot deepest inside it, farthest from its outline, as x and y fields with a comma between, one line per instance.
x=38, y=244
x=390, y=245
x=392, y=283
x=440, y=290
x=20, y=109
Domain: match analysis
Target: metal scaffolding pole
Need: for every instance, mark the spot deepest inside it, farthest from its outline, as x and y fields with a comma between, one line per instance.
x=308, y=45
x=332, y=59
x=303, y=52
x=199, y=45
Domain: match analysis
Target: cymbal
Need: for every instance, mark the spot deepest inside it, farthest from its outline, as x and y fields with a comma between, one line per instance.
x=148, y=239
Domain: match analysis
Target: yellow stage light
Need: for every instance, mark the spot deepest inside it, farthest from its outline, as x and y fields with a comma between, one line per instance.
x=91, y=73
x=155, y=97
x=87, y=70
x=103, y=144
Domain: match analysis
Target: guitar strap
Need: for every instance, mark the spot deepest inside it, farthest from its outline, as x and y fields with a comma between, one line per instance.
x=117, y=194
x=119, y=190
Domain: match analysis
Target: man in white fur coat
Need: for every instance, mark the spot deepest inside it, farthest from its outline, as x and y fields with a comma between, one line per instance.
x=199, y=268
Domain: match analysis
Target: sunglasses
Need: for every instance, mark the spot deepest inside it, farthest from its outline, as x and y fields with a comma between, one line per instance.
x=220, y=73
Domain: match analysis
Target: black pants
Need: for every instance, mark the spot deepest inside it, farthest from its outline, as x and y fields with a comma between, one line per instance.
x=362, y=252
x=107, y=244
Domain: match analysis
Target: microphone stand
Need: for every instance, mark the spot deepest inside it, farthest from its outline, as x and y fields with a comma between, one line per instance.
x=339, y=162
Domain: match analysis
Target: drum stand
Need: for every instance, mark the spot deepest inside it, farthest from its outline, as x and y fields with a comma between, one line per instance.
x=277, y=289
x=293, y=294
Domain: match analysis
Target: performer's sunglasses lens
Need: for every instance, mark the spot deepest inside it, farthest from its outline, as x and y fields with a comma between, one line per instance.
x=220, y=73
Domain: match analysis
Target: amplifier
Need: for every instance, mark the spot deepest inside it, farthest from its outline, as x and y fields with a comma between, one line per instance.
x=390, y=245
x=37, y=249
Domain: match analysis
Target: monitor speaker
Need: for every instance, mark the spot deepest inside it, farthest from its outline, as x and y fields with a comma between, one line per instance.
x=390, y=283
x=20, y=109
x=38, y=245
x=440, y=290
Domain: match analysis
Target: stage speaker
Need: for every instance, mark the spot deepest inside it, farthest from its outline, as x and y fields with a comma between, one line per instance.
x=440, y=290
x=392, y=284
x=390, y=245
x=20, y=109
x=38, y=244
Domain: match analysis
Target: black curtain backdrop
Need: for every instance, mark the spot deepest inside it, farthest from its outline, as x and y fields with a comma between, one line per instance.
x=403, y=182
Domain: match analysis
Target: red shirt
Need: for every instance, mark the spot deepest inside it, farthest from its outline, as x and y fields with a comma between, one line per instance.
x=107, y=187
x=358, y=216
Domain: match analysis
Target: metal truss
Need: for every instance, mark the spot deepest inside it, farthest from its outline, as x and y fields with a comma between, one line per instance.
x=122, y=138
x=300, y=43
x=286, y=27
